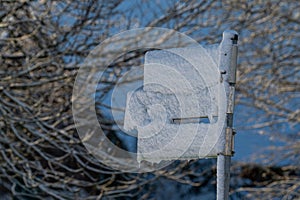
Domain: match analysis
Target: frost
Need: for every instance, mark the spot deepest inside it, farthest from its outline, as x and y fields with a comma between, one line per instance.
x=180, y=111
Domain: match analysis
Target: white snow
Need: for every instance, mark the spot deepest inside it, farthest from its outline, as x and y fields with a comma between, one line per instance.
x=180, y=83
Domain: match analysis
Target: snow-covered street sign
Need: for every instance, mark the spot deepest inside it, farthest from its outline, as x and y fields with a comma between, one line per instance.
x=181, y=111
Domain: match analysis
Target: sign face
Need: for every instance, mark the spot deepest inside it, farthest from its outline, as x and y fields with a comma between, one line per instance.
x=180, y=111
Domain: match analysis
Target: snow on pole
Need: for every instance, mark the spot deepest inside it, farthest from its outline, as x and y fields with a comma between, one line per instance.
x=227, y=64
x=183, y=87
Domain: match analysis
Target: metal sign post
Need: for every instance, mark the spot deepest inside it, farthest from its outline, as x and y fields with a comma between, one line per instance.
x=183, y=133
x=224, y=159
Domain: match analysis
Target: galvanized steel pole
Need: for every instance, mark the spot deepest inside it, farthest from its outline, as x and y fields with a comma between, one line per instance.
x=224, y=158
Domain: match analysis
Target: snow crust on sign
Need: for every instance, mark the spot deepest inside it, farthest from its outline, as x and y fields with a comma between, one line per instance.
x=193, y=63
x=178, y=83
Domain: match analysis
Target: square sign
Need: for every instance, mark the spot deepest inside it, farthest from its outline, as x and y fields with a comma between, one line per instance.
x=180, y=112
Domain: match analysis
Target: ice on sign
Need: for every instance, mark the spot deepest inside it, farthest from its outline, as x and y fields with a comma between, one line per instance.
x=180, y=111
